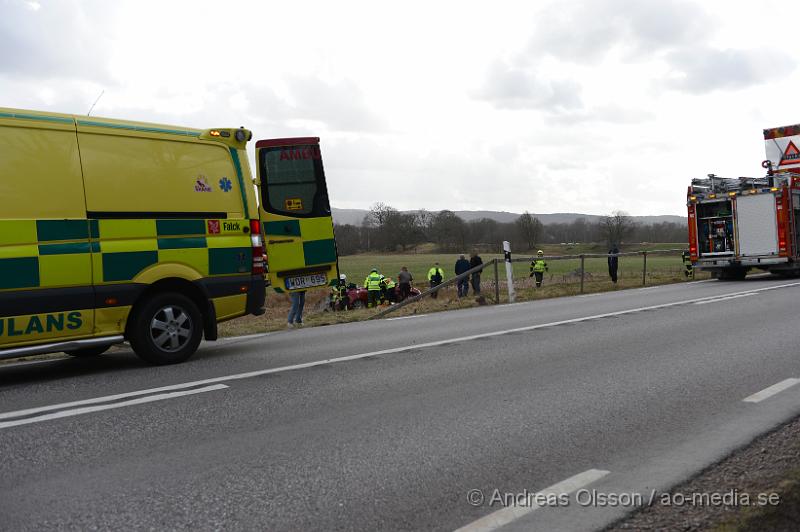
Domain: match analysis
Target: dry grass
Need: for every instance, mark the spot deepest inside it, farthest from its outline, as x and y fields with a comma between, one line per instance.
x=555, y=285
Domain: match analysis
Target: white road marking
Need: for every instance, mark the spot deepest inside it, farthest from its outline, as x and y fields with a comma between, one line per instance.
x=406, y=317
x=95, y=400
x=90, y=409
x=748, y=294
x=244, y=337
x=328, y=361
x=500, y=518
x=766, y=393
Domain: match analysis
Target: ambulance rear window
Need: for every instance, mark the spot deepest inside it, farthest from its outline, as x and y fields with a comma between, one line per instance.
x=293, y=181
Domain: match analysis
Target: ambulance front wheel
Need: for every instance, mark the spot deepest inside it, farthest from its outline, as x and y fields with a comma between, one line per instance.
x=166, y=329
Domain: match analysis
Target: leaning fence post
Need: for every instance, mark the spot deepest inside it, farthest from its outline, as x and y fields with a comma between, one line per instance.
x=512, y=295
x=496, y=284
x=583, y=270
x=644, y=268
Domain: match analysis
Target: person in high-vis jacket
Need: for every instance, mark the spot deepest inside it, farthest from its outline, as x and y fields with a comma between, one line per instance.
x=435, y=276
x=373, y=285
x=538, y=267
x=387, y=290
x=688, y=268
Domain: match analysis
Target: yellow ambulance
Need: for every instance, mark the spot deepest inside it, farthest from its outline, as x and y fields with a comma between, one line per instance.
x=113, y=230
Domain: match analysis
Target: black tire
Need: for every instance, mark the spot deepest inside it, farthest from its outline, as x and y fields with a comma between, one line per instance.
x=165, y=329
x=88, y=351
x=358, y=304
x=733, y=274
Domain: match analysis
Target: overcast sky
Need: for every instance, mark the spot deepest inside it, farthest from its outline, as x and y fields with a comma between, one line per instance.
x=567, y=106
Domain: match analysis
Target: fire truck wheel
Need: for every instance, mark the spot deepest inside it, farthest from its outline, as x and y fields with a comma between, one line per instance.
x=735, y=274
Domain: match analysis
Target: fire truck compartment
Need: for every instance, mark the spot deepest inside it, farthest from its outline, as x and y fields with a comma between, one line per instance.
x=757, y=225
x=715, y=234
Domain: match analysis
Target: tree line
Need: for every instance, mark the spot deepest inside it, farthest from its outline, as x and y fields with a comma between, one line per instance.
x=386, y=229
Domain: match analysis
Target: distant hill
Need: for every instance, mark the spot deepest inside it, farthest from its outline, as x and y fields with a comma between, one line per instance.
x=356, y=216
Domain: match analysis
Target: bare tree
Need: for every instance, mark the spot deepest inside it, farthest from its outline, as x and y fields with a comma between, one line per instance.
x=616, y=227
x=529, y=229
x=378, y=214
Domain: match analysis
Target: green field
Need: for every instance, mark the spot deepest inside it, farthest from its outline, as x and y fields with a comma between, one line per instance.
x=356, y=267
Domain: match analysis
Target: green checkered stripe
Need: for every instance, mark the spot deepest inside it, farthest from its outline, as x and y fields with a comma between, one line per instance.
x=52, y=253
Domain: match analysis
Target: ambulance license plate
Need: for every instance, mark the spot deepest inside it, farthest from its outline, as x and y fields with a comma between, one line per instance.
x=306, y=281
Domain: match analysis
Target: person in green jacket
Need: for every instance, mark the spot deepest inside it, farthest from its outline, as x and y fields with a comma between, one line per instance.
x=435, y=276
x=538, y=267
x=373, y=285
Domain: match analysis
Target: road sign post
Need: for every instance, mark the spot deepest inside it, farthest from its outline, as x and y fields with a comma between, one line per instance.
x=512, y=295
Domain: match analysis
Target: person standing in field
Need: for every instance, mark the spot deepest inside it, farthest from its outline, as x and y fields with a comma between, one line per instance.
x=404, y=279
x=373, y=285
x=298, y=300
x=538, y=267
x=613, y=263
x=435, y=276
x=475, y=260
x=462, y=266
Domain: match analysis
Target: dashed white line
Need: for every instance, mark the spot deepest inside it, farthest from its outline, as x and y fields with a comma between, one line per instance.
x=495, y=520
x=766, y=393
x=89, y=409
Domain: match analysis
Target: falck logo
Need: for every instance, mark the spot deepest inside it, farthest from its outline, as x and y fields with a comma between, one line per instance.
x=225, y=184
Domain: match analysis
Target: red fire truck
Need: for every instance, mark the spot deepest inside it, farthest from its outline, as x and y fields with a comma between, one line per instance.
x=742, y=223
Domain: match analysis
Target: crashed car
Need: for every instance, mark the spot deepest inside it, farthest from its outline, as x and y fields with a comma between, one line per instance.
x=357, y=296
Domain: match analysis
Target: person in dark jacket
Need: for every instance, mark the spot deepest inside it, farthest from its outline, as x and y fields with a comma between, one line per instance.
x=613, y=263
x=462, y=266
x=404, y=283
x=475, y=260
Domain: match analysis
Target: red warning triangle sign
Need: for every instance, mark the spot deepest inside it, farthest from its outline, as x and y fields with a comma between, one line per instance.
x=791, y=155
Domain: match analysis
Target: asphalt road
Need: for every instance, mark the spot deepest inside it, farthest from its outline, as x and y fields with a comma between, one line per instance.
x=390, y=425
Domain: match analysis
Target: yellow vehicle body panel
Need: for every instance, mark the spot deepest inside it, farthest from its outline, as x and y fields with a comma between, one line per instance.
x=99, y=212
x=296, y=217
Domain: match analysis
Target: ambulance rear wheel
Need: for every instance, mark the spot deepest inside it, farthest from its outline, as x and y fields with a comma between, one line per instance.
x=88, y=351
x=166, y=329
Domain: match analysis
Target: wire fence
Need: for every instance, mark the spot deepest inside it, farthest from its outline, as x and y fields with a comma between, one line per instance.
x=565, y=275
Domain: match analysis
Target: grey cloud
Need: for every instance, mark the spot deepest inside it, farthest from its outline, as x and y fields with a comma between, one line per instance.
x=509, y=87
x=585, y=32
x=339, y=105
x=704, y=69
x=607, y=114
x=55, y=41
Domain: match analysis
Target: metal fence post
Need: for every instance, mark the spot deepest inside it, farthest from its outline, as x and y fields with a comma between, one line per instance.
x=644, y=268
x=496, y=284
x=583, y=270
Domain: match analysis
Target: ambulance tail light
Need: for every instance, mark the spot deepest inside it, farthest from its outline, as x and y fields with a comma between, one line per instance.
x=257, y=242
